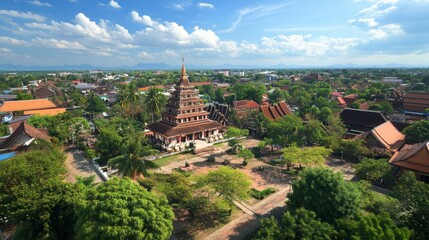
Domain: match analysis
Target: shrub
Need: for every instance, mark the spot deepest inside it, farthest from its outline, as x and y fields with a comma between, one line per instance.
x=211, y=159
x=261, y=194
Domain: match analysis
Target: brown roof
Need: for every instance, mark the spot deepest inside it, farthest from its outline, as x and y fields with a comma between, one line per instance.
x=197, y=84
x=413, y=157
x=147, y=88
x=364, y=106
x=414, y=101
x=15, y=140
x=49, y=112
x=388, y=136
x=25, y=105
x=168, y=130
x=362, y=120
x=341, y=101
x=245, y=104
x=275, y=112
x=349, y=99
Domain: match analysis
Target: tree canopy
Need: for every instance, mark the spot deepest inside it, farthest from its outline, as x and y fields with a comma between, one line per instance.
x=326, y=193
x=305, y=156
x=417, y=132
x=120, y=209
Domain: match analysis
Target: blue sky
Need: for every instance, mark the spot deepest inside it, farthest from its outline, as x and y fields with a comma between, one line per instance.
x=127, y=32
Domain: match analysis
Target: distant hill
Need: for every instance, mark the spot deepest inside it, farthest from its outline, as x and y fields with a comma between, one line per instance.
x=164, y=66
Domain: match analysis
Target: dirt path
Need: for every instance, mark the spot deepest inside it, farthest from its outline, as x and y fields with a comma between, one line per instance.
x=77, y=165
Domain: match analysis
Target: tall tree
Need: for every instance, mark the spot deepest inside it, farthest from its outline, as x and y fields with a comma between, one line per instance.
x=417, y=132
x=131, y=163
x=305, y=156
x=34, y=196
x=129, y=97
x=120, y=209
x=370, y=226
x=95, y=104
x=287, y=131
x=154, y=101
x=326, y=193
x=414, y=198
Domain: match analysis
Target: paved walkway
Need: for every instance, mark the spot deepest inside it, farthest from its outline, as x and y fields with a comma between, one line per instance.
x=77, y=165
x=248, y=223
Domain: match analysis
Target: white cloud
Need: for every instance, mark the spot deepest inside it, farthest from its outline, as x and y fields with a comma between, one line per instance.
x=114, y=4
x=379, y=8
x=384, y=32
x=5, y=50
x=307, y=45
x=59, y=44
x=40, y=4
x=365, y=22
x=241, y=14
x=205, y=5
x=173, y=34
x=12, y=41
x=25, y=15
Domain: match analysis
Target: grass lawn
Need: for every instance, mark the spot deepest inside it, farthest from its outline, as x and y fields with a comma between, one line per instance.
x=175, y=158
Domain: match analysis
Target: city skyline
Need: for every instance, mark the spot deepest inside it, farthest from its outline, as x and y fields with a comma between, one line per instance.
x=307, y=33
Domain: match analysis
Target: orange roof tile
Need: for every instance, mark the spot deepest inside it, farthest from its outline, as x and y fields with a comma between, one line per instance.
x=147, y=88
x=341, y=101
x=388, y=136
x=49, y=112
x=197, y=84
x=245, y=104
x=25, y=105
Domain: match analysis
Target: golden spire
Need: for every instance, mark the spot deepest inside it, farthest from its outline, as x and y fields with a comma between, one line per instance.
x=183, y=72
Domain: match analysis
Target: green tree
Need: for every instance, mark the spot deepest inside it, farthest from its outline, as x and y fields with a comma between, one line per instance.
x=4, y=129
x=414, y=198
x=120, y=209
x=305, y=156
x=417, y=132
x=285, y=132
x=154, y=101
x=313, y=132
x=24, y=96
x=95, y=104
x=372, y=169
x=109, y=143
x=386, y=107
x=370, y=226
x=233, y=132
x=226, y=182
x=246, y=154
x=131, y=162
x=129, y=97
x=299, y=224
x=34, y=197
x=326, y=193
x=278, y=95
x=219, y=95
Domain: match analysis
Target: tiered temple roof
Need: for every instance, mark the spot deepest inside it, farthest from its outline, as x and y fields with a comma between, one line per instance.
x=184, y=112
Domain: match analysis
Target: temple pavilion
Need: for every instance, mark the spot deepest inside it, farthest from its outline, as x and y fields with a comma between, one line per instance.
x=184, y=119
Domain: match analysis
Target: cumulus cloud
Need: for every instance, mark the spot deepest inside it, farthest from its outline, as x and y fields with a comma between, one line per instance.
x=55, y=43
x=172, y=34
x=385, y=32
x=307, y=45
x=364, y=22
x=40, y=4
x=379, y=8
x=205, y=5
x=114, y=4
x=24, y=15
x=12, y=41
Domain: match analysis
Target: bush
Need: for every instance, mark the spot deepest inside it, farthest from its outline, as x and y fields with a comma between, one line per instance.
x=211, y=159
x=90, y=153
x=261, y=194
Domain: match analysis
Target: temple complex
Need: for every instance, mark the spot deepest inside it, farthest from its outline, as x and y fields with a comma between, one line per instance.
x=184, y=119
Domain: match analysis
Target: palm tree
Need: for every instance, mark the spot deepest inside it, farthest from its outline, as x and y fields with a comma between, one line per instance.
x=154, y=101
x=131, y=163
x=129, y=98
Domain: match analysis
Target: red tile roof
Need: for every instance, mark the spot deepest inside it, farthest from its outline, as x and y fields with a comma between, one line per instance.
x=413, y=157
x=364, y=106
x=171, y=131
x=416, y=102
x=341, y=101
x=245, y=104
x=275, y=112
